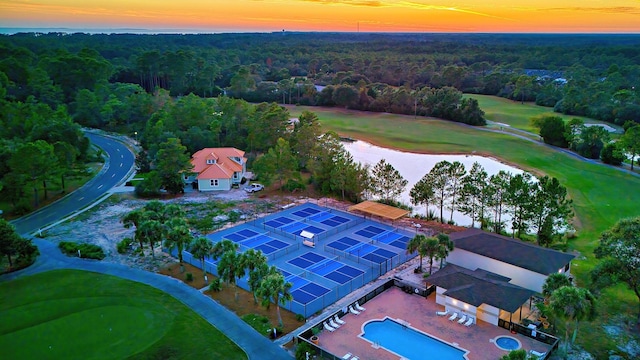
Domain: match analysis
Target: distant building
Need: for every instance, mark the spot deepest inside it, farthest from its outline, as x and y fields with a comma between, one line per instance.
x=216, y=169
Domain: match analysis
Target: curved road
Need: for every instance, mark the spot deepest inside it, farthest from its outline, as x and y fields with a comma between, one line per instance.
x=254, y=345
x=119, y=164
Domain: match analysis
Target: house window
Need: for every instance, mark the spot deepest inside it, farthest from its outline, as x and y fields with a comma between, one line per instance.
x=214, y=182
x=211, y=161
x=235, y=175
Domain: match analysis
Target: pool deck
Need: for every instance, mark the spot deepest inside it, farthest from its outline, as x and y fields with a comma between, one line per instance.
x=419, y=313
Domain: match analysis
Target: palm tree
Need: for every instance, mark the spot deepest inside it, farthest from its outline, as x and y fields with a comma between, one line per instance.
x=254, y=261
x=257, y=275
x=222, y=247
x=554, y=282
x=150, y=231
x=172, y=211
x=230, y=268
x=201, y=248
x=274, y=287
x=429, y=248
x=133, y=218
x=178, y=236
x=414, y=245
x=572, y=304
x=445, y=246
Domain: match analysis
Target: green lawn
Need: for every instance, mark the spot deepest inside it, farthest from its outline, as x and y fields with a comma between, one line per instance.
x=69, y=314
x=517, y=115
x=601, y=195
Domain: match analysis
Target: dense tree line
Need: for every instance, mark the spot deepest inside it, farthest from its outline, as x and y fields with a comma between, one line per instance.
x=593, y=142
x=594, y=76
x=40, y=147
x=538, y=205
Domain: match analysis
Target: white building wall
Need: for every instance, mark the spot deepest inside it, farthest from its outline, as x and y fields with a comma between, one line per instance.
x=441, y=299
x=519, y=276
x=460, y=307
x=488, y=313
x=205, y=185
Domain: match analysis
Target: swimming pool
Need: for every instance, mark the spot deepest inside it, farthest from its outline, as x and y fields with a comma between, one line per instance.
x=507, y=343
x=408, y=342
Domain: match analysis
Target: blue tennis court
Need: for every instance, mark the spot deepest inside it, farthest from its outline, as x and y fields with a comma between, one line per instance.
x=325, y=267
x=264, y=243
x=379, y=256
x=318, y=276
x=297, y=227
x=241, y=235
x=321, y=216
x=362, y=249
x=278, y=222
x=306, y=212
x=370, y=231
x=401, y=243
x=388, y=237
x=302, y=290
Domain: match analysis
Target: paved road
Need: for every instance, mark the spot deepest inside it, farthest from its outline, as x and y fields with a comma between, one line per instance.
x=255, y=345
x=118, y=166
x=120, y=162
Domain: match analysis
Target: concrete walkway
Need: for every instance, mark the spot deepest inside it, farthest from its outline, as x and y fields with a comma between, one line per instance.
x=255, y=345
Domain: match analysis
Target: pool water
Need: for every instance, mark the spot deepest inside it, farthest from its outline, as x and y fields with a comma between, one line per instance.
x=507, y=343
x=409, y=342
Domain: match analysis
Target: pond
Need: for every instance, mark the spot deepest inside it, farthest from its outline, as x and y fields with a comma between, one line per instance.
x=414, y=166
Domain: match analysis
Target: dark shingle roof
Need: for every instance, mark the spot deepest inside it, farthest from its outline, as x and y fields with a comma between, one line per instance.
x=480, y=287
x=511, y=251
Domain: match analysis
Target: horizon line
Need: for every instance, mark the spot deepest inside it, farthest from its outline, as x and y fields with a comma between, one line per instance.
x=173, y=31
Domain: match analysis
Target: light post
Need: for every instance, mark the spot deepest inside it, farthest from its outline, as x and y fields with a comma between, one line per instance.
x=135, y=133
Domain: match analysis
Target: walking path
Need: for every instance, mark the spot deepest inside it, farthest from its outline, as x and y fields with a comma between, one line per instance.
x=255, y=345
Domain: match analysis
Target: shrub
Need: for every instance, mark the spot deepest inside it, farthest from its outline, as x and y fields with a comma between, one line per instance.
x=87, y=251
x=22, y=207
x=216, y=285
x=612, y=154
x=293, y=185
x=302, y=349
x=123, y=245
x=189, y=277
x=300, y=317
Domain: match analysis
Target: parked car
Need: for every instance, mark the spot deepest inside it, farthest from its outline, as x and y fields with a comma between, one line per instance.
x=254, y=187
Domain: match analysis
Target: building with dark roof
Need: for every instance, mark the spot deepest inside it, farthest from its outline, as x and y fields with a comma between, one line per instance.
x=478, y=293
x=526, y=264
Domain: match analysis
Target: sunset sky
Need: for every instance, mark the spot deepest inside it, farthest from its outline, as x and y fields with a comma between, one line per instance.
x=590, y=16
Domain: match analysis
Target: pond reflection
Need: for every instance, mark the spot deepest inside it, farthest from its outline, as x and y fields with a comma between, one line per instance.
x=414, y=166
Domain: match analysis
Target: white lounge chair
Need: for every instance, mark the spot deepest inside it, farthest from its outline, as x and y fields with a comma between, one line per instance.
x=358, y=307
x=462, y=319
x=537, y=353
x=442, y=313
x=469, y=322
x=338, y=320
x=353, y=311
x=328, y=327
x=453, y=317
x=355, y=358
x=346, y=356
x=333, y=324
